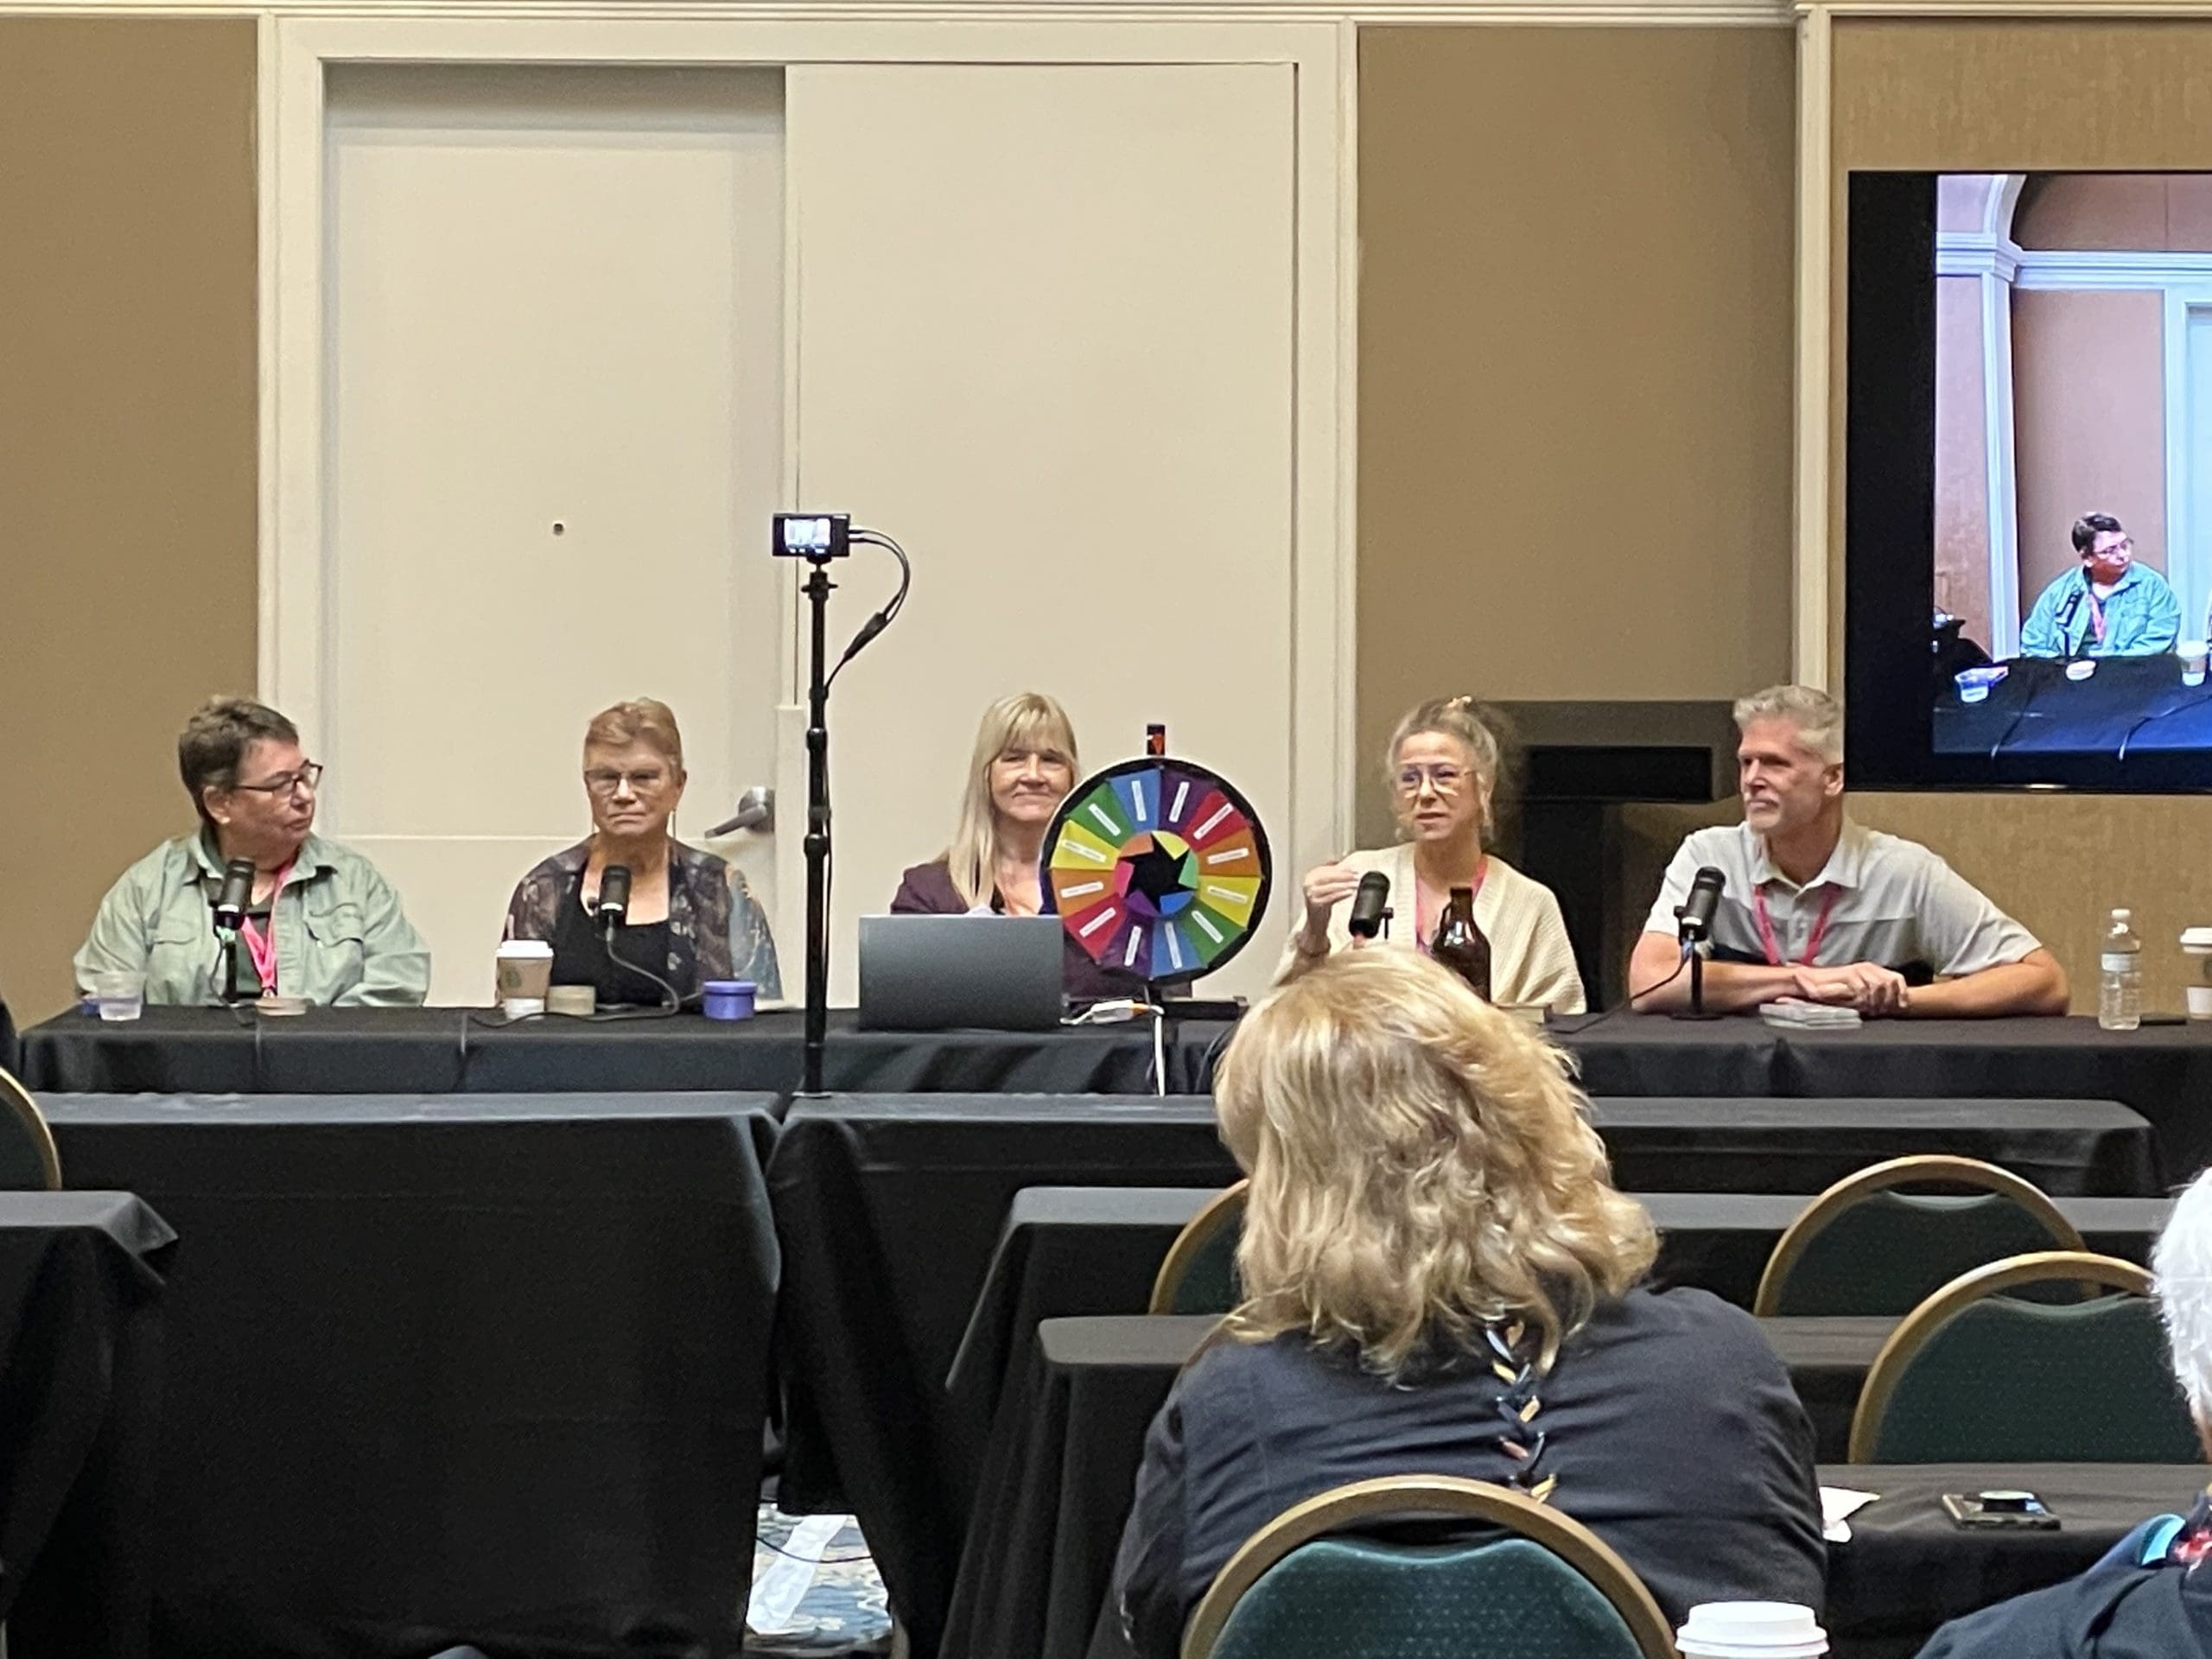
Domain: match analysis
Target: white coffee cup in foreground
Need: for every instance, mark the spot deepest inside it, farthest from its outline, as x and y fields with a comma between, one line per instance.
x=525, y=970
x=2197, y=945
x=1750, y=1630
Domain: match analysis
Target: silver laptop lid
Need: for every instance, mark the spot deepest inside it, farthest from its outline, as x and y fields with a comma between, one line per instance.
x=935, y=973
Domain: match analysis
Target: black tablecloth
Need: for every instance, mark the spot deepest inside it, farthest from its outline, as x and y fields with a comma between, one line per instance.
x=2128, y=705
x=454, y=1050
x=489, y=1369
x=1671, y=1145
x=888, y=1209
x=1907, y=1568
x=2162, y=1071
x=80, y=1352
x=1065, y=1252
x=1069, y=1438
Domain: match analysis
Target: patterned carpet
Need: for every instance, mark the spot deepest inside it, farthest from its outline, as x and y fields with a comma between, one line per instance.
x=827, y=1581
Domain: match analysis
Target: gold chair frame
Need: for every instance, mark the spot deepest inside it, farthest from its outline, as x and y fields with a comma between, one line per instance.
x=1404, y=1496
x=17, y=1100
x=1904, y=1343
x=1224, y=1208
x=1895, y=1172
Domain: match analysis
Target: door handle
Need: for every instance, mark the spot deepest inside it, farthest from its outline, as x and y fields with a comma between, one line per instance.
x=756, y=811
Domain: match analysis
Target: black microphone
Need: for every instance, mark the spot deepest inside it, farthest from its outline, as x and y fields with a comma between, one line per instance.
x=1695, y=914
x=2073, y=608
x=1368, y=904
x=236, y=893
x=613, y=898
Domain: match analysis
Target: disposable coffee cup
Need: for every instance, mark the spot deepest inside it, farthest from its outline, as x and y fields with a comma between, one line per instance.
x=525, y=970
x=1750, y=1630
x=2192, y=653
x=2197, y=945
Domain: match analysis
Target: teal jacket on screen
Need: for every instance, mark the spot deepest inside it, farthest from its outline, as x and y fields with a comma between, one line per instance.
x=2142, y=618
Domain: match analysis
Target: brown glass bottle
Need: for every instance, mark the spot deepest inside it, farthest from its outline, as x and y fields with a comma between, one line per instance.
x=1460, y=946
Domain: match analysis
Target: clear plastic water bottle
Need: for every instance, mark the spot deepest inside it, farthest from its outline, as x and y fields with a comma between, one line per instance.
x=2119, y=991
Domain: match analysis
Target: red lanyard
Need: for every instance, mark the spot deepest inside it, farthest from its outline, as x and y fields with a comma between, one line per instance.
x=1420, y=928
x=1812, y=942
x=261, y=948
x=2097, y=615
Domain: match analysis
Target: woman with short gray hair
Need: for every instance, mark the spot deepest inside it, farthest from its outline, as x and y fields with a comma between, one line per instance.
x=322, y=925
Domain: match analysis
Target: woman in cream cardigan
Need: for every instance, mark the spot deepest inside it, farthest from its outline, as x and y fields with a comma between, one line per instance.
x=1443, y=769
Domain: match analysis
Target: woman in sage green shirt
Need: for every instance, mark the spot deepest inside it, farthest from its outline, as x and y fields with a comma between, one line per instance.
x=322, y=924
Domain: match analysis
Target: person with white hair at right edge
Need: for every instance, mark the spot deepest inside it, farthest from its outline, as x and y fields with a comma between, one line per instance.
x=2150, y=1595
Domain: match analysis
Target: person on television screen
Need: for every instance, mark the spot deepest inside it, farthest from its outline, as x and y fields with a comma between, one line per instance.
x=2109, y=607
x=1816, y=907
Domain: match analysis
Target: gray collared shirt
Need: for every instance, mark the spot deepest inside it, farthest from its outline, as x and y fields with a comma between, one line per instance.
x=1895, y=903
x=342, y=939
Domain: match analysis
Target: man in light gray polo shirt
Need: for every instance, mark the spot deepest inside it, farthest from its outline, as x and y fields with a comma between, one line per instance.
x=1816, y=908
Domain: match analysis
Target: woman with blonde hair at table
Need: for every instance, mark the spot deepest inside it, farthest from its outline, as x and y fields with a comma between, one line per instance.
x=1439, y=1278
x=1443, y=763
x=1021, y=768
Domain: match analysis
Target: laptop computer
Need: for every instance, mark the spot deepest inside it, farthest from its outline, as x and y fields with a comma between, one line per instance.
x=935, y=973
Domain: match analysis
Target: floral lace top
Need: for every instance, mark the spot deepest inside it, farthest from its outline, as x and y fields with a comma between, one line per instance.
x=712, y=917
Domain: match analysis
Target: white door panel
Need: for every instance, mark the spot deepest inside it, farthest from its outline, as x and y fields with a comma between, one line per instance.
x=1046, y=321
x=554, y=305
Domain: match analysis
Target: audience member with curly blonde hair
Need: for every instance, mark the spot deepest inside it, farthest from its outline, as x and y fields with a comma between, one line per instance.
x=1440, y=1279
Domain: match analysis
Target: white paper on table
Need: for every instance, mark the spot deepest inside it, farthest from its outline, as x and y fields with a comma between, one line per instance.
x=777, y=1591
x=1838, y=1505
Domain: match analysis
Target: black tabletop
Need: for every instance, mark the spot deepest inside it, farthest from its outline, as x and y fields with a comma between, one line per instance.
x=80, y=1344
x=1069, y=1438
x=451, y=1050
x=486, y=1369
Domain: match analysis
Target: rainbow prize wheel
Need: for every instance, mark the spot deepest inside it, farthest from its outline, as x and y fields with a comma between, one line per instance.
x=1157, y=868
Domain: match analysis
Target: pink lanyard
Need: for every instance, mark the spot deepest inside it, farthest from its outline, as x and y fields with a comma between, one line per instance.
x=1812, y=942
x=1420, y=925
x=261, y=948
x=2097, y=615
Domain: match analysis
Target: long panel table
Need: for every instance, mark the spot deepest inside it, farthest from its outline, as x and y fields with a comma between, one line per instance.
x=2163, y=1071
x=1036, y=1572
x=80, y=1362
x=455, y=1051
x=491, y=1368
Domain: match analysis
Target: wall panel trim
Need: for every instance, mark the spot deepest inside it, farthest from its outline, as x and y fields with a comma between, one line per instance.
x=1641, y=14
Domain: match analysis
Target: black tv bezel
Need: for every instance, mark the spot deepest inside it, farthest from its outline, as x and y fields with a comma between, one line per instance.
x=1889, y=526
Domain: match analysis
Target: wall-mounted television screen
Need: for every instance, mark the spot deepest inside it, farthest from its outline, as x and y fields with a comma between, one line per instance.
x=2028, y=480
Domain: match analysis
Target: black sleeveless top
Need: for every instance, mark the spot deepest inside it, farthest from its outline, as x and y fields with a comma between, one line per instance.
x=580, y=958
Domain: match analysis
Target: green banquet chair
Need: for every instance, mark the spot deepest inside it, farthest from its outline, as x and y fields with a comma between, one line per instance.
x=1862, y=1247
x=1198, y=1275
x=1977, y=1375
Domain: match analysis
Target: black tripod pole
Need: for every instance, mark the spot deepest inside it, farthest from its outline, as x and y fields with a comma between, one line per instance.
x=817, y=590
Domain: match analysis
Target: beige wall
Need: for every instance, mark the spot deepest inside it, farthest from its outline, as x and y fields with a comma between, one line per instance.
x=2090, y=424
x=1961, y=457
x=2135, y=211
x=127, y=441
x=1574, y=366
